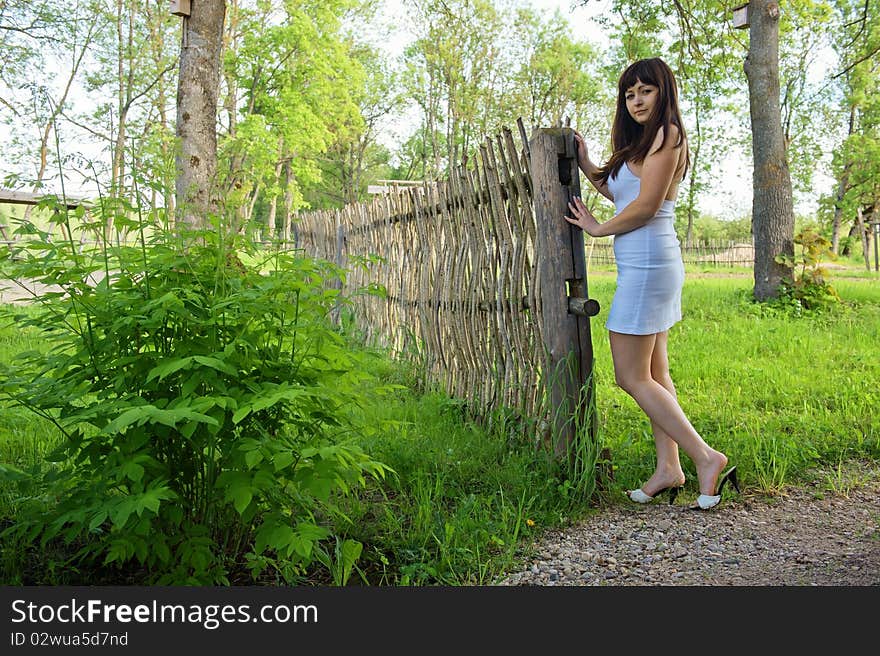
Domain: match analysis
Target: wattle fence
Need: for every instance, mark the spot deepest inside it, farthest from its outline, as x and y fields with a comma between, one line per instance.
x=457, y=262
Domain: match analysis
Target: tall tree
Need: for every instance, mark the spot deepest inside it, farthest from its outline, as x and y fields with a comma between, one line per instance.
x=36, y=38
x=156, y=156
x=555, y=76
x=772, y=202
x=477, y=66
x=294, y=80
x=355, y=156
x=75, y=35
x=857, y=44
x=198, y=89
x=454, y=73
x=809, y=115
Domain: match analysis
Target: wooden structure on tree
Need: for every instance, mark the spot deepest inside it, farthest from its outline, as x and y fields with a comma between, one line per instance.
x=472, y=289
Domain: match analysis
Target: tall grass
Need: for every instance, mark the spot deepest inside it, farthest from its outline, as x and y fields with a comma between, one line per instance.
x=771, y=388
x=24, y=438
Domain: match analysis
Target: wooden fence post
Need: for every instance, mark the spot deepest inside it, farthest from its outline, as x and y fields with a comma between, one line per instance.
x=340, y=262
x=564, y=306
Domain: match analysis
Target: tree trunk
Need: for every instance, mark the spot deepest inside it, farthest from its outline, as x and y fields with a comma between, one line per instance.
x=230, y=103
x=772, y=204
x=270, y=230
x=869, y=229
x=847, y=246
x=123, y=91
x=841, y=191
x=288, y=204
x=863, y=235
x=692, y=187
x=158, y=49
x=197, y=92
x=249, y=213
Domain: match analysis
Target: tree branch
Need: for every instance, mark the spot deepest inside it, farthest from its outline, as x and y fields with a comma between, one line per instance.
x=856, y=63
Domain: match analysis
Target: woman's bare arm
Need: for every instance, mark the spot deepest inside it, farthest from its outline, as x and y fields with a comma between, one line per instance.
x=658, y=172
x=590, y=170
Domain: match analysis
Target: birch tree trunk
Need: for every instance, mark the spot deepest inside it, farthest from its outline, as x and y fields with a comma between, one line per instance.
x=863, y=234
x=841, y=190
x=157, y=52
x=197, y=92
x=692, y=187
x=772, y=204
x=270, y=230
x=288, y=204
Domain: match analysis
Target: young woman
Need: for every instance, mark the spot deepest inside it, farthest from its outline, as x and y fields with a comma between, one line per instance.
x=649, y=160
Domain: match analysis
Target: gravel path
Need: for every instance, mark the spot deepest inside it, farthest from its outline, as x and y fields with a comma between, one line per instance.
x=807, y=536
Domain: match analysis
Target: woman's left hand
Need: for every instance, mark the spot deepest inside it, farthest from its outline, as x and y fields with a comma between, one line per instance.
x=584, y=219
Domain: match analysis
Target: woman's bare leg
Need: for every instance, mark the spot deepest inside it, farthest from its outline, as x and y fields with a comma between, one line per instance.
x=668, y=471
x=633, y=356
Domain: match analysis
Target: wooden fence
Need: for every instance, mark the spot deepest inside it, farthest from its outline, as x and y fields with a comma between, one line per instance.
x=457, y=262
x=718, y=253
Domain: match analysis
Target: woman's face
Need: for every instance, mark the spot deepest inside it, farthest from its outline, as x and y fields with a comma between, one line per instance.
x=640, y=101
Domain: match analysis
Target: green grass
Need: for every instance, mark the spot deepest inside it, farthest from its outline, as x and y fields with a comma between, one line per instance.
x=784, y=396
x=463, y=496
x=780, y=394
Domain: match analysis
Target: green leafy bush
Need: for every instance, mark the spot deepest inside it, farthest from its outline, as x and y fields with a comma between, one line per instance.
x=202, y=405
x=807, y=288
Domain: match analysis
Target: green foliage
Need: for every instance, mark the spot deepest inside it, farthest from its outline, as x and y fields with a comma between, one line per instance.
x=807, y=288
x=201, y=406
x=468, y=498
x=355, y=159
x=476, y=67
x=466, y=495
x=300, y=81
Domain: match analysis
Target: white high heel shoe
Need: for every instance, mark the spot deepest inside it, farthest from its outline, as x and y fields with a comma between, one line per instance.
x=706, y=501
x=640, y=497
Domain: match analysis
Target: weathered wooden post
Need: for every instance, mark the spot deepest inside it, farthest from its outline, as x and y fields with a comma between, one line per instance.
x=340, y=262
x=565, y=308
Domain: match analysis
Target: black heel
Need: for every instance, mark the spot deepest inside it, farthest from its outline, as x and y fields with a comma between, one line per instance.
x=731, y=476
x=673, y=493
x=707, y=501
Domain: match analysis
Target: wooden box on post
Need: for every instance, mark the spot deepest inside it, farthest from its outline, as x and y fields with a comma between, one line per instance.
x=741, y=17
x=180, y=7
x=564, y=308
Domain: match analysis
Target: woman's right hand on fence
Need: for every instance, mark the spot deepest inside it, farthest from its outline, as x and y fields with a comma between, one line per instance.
x=584, y=218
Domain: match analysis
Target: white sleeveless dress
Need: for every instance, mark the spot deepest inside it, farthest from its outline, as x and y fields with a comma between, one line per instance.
x=650, y=271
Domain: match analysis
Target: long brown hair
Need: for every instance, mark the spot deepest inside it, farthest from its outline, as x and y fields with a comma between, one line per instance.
x=631, y=141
